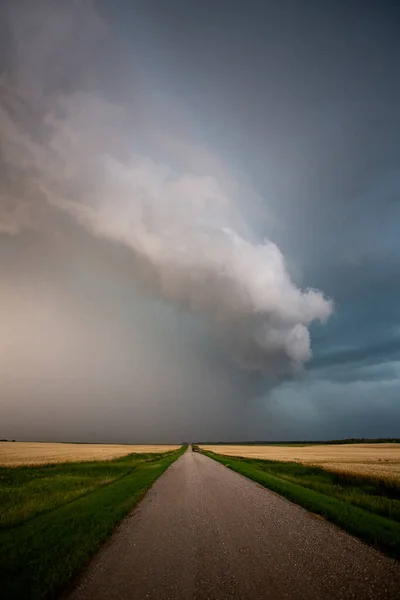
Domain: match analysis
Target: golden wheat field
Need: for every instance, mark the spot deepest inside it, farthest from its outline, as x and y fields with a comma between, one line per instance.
x=378, y=460
x=35, y=453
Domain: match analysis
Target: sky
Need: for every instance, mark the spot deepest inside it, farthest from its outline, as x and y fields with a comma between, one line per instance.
x=199, y=220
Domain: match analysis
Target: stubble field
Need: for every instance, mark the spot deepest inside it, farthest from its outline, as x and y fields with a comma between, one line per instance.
x=374, y=460
x=39, y=453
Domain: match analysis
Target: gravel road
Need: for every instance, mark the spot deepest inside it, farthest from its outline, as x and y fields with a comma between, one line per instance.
x=204, y=532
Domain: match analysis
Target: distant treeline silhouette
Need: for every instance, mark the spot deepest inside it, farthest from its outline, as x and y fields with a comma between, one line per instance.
x=311, y=442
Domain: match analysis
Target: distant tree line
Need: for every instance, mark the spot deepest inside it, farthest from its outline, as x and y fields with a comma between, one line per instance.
x=311, y=442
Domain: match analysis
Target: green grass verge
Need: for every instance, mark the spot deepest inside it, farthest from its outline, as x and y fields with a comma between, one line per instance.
x=368, y=508
x=46, y=543
x=26, y=492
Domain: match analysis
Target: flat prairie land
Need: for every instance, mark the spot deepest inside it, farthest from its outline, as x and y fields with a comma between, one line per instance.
x=53, y=517
x=39, y=453
x=345, y=484
x=375, y=460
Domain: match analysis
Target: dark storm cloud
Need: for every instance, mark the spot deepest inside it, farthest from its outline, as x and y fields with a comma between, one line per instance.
x=375, y=353
x=364, y=334
x=178, y=225
x=290, y=115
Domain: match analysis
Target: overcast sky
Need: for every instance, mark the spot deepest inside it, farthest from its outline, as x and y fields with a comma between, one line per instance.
x=199, y=220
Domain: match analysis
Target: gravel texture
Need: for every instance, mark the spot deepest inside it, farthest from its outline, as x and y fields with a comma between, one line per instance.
x=204, y=532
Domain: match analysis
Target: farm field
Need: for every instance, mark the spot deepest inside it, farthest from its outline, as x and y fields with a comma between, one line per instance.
x=376, y=460
x=36, y=453
x=70, y=507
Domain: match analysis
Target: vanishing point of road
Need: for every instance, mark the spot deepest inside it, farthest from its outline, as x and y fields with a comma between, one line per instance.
x=204, y=532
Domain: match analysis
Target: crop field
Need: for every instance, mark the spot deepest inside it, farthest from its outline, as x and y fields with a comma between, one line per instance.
x=36, y=453
x=55, y=516
x=375, y=460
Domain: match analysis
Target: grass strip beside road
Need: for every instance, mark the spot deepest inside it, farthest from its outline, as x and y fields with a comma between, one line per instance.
x=28, y=491
x=353, y=503
x=41, y=555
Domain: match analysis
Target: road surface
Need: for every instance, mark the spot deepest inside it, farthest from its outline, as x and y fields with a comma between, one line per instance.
x=204, y=532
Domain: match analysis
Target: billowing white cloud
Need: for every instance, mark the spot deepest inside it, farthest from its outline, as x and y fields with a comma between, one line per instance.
x=130, y=171
x=178, y=226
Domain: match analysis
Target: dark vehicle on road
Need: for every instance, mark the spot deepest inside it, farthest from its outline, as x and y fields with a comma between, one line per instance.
x=195, y=448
